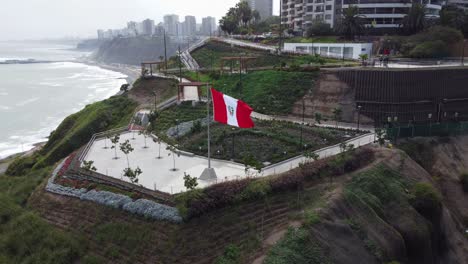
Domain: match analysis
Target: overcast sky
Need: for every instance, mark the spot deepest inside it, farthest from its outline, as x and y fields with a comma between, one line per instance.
x=38, y=19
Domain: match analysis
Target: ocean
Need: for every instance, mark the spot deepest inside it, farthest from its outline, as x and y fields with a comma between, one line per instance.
x=35, y=98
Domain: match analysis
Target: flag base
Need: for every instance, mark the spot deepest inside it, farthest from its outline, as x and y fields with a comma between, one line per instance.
x=208, y=174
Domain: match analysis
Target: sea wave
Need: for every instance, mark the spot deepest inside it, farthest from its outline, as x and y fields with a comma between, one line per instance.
x=28, y=101
x=100, y=84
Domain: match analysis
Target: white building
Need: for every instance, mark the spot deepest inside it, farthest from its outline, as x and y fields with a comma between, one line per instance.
x=299, y=14
x=333, y=50
x=208, y=26
x=388, y=13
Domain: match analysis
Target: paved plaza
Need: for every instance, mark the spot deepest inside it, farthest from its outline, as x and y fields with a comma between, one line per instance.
x=159, y=174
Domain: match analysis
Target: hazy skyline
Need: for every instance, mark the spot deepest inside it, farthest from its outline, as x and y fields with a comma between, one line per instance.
x=39, y=19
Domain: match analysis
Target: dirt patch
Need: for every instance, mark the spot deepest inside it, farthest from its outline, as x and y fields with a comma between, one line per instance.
x=144, y=90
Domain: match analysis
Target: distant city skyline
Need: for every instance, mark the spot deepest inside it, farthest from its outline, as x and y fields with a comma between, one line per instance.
x=41, y=19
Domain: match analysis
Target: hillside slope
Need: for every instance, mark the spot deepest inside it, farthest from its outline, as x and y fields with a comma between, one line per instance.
x=375, y=215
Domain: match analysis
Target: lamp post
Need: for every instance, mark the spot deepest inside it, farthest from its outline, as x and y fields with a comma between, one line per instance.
x=359, y=118
x=303, y=121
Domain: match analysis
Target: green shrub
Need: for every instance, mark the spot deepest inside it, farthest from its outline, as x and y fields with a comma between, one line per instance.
x=77, y=129
x=21, y=165
x=255, y=190
x=299, y=247
x=311, y=218
x=464, y=181
x=430, y=49
x=426, y=200
x=231, y=255
x=29, y=239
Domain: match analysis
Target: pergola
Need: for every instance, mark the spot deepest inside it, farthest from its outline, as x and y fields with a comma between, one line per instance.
x=149, y=64
x=242, y=62
x=182, y=96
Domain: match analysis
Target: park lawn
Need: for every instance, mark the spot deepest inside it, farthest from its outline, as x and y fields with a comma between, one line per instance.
x=269, y=142
x=209, y=57
x=268, y=92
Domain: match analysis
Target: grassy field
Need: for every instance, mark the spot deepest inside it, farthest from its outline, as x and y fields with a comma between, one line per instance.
x=209, y=56
x=268, y=92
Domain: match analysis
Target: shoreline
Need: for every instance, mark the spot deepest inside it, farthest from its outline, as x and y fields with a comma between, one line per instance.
x=5, y=162
x=127, y=70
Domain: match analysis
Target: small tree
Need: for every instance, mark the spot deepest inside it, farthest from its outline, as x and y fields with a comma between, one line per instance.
x=132, y=175
x=190, y=182
x=174, y=151
x=311, y=155
x=337, y=113
x=106, y=137
x=88, y=165
x=363, y=58
x=157, y=140
x=126, y=148
x=145, y=135
x=115, y=140
x=124, y=87
x=380, y=134
x=319, y=28
x=318, y=118
x=250, y=162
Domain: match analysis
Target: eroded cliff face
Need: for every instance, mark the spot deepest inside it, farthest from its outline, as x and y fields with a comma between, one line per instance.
x=328, y=93
x=134, y=50
x=378, y=222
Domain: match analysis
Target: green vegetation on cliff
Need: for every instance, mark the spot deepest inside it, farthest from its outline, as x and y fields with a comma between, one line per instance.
x=209, y=56
x=268, y=92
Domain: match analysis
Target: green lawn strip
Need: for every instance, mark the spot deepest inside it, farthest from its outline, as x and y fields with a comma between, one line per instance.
x=209, y=57
x=268, y=141
x=268, y=92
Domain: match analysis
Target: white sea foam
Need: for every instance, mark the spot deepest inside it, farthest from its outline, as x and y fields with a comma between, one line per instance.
x=28, y=101
x=100, y=83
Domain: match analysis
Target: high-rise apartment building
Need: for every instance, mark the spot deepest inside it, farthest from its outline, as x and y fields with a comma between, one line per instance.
x=147, y=27
x=463, y=4
x=388, y=13
x=264, y=7
x=189, y=26
x=208, y=26
x=299, y=14
x=171, y=24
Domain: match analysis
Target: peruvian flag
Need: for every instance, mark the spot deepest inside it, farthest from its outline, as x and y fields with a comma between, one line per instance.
x=228, y=110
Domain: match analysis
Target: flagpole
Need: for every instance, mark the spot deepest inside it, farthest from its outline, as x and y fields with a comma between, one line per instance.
x=208, y=111
x=209, y=174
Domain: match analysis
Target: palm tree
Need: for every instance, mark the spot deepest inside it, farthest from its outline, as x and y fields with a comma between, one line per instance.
x=244, y=13
x=415, y=20
x=351, y=23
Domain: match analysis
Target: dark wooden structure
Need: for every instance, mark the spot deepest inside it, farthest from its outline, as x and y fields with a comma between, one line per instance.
x=181, y=89
x=145, y=72
x=425, y=95
x=243, y=63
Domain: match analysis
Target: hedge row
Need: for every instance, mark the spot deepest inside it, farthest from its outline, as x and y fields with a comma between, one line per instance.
x=198, y=202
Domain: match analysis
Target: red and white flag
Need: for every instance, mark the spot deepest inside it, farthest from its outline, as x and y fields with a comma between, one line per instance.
x=230, y=111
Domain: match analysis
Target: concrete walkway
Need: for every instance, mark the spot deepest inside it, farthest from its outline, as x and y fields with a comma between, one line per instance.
x=160, y=174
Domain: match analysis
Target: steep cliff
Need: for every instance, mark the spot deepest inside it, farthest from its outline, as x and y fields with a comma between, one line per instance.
x=134, y=50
